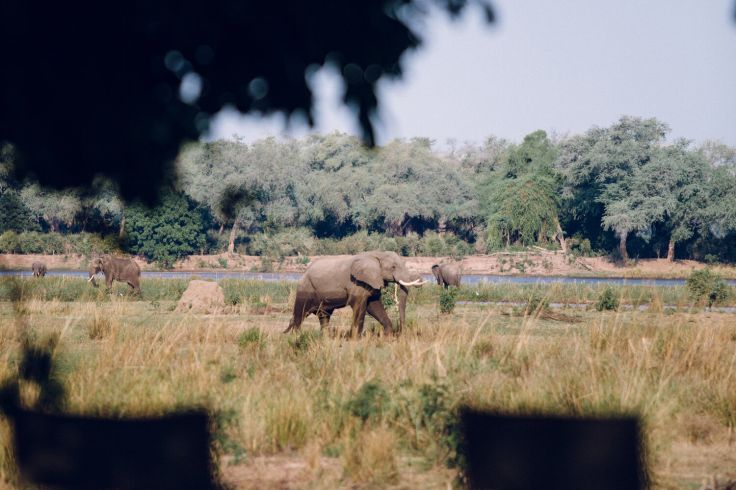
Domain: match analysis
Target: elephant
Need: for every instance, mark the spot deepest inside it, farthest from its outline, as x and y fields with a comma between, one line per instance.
x=116, y=269
x=447, y=274
x=355, y=281
x=39, y=269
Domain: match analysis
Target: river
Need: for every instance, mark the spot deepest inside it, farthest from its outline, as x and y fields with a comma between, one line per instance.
x=468, y=279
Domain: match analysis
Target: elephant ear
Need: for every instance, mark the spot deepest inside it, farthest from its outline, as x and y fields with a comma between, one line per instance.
x=367, y=270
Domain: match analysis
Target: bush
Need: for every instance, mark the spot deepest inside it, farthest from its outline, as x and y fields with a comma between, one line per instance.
x=707, y=287
x=9, y=242
x=286, y=243
x=33, y=242
x=252, y=336
x=448, y=298
x=387, y=297
x=536, y=302
x=607, y=300
x=579, y=246
x=303, y=341
x=369, y=402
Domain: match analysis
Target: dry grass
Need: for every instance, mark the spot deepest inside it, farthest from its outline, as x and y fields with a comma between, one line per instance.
x=296, y=408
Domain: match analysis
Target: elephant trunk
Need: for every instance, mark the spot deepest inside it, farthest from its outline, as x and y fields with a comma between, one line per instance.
x=403, y=294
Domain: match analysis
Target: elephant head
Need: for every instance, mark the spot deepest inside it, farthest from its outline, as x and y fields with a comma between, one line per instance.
x=95, y=268
x=376, y=269
x=436, y=273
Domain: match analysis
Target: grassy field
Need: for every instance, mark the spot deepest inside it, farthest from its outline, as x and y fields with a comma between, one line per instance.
x=312, y=411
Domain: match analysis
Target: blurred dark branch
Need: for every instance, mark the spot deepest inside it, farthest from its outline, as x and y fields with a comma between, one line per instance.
x=93, y=88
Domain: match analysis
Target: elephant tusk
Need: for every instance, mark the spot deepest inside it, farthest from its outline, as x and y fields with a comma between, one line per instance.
x=90, y=278
x=416, y=283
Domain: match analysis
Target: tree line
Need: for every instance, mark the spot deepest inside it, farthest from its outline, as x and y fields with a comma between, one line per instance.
x=623, y=190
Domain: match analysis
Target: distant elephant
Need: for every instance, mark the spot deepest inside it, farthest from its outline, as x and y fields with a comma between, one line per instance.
x=39, y=269
x=116, y=269
x=356, y=281
x=447, y=274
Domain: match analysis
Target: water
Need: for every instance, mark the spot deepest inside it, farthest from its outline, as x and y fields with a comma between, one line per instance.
x=468, y=279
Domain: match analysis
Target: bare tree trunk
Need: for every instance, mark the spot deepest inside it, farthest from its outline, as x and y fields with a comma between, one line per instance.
x=121, y=232
x=233, y=234
x=671, y=251
x=222, y=228
x=442, y=226
x=622, y=246
x=561, y=237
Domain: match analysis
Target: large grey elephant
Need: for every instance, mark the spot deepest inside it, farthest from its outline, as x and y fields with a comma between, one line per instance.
x=39, y=269
x=116, y=269
x=447, y=274
x=356, y=281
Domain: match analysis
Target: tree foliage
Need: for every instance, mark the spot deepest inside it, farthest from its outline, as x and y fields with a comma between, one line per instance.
x=167, y=232
x=521, y=196
x=618, y=189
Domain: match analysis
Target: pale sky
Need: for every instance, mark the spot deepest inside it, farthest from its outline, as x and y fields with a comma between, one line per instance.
x=562, y=66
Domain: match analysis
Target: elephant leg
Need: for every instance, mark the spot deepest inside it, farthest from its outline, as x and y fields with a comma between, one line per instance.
x=359, y=308
x=324, y=320
x=108, y=282
x=377, y=311
x=135, y=284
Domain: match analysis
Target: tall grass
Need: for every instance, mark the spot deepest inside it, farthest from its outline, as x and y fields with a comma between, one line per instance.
x=240, y=291
x=384, y=411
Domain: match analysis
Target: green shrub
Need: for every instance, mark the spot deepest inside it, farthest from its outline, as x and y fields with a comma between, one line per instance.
x=303, y=340
x=370, y=402
x=448, y=298
x=707, y=287
x=232, y=297
x=607, y=300
x=285, y=243
x=535, y=303
x=222, y=261
x=226, y=422
x=387, y=297
x=440, y=417
x=9, y=242
x=710, y=259
x=266, y=265
x=252, y=336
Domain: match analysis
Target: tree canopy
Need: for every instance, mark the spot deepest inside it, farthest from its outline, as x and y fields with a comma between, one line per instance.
x=623, y=188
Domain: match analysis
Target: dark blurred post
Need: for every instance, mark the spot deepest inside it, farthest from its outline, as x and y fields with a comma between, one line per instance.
x=505, y=452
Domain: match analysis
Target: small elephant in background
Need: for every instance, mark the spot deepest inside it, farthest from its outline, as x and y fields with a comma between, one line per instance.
x=447, y=274
x=116, y=269
x=39, y=269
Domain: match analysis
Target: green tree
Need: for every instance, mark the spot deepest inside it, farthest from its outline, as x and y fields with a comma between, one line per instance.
x=171, y=230
x=246, y=187
x=55, y=208
x=521, y=196
x=676, y=179
x=14, y=215
x=601, y=167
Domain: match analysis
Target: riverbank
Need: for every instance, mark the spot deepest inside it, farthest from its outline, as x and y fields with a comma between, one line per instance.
x=532, y=263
